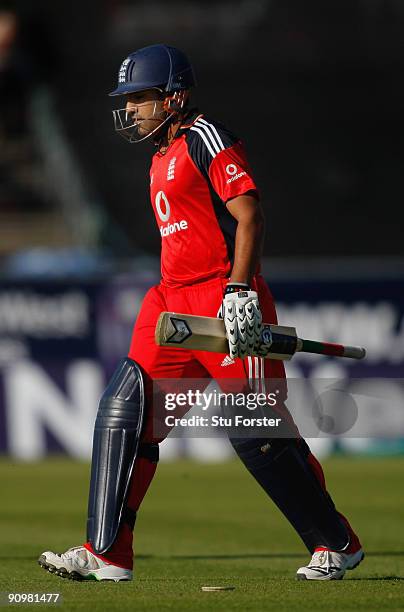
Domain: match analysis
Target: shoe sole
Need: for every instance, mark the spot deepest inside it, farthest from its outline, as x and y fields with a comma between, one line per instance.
x=63, y=573
x=304, y=577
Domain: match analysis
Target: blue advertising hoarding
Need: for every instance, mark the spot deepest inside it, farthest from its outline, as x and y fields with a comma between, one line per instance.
x=60, y=341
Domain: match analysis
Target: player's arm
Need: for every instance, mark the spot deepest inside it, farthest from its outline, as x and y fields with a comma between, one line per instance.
x=240, y=309
x=247, y=210
x=221, y=159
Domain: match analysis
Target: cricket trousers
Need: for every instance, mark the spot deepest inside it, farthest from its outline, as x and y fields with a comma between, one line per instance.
x=157, y=363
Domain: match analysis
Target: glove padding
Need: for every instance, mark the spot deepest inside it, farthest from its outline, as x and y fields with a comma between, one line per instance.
x=243, y=321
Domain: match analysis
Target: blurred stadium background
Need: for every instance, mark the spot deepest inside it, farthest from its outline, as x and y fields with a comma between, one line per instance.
x=314, y=89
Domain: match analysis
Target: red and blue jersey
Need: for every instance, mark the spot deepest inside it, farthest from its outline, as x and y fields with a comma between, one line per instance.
x=203, y=168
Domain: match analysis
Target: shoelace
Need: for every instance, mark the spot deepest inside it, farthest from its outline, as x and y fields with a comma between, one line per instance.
x=70, y=553
x=80, y=556
x=321, y=559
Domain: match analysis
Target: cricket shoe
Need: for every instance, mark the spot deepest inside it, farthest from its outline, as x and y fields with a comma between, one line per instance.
x=329, y=565
x=78, y=563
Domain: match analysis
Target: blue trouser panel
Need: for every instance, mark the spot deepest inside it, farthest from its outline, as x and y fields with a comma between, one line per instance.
x=282, y=469
x=116, y=440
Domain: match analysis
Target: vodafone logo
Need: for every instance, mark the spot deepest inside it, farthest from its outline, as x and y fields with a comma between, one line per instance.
x=231, y=169
x=162, y=211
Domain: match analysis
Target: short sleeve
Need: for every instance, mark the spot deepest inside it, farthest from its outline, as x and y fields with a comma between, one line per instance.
x=230, y=173
x=220, y=157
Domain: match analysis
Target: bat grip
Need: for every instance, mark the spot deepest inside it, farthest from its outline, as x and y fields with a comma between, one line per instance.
x=334, y=350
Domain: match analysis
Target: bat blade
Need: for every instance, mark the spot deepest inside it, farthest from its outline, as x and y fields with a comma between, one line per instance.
x=208, y=334
x=192, y=332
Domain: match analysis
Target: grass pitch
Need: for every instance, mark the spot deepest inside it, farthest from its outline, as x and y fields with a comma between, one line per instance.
x=205, y=525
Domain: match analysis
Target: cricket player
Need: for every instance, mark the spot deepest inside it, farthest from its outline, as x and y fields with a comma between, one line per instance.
x=207, y=209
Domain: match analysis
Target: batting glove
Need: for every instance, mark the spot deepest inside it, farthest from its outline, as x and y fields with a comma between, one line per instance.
x=242, y=319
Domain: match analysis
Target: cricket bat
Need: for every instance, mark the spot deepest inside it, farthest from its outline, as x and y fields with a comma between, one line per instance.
x=208, y=334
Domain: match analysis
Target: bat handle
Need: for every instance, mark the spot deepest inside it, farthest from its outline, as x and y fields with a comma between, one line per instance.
x=354, y=352
x=327, y=348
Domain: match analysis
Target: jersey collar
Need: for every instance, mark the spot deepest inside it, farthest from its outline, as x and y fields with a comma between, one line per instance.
x=190, y=118
x=188, y=121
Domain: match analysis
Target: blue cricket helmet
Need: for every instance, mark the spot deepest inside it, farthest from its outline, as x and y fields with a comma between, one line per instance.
x=158, y=66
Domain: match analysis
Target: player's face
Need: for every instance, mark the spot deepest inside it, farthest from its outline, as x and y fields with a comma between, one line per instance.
x=146, y=109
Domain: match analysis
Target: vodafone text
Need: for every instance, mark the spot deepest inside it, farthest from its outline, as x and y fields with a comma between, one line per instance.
x=235, y=177
x=172, y=228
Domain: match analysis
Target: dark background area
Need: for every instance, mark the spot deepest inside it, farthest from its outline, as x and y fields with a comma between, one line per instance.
x=314, y=89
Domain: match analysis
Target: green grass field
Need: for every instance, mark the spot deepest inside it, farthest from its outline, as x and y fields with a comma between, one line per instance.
x=205, y=525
